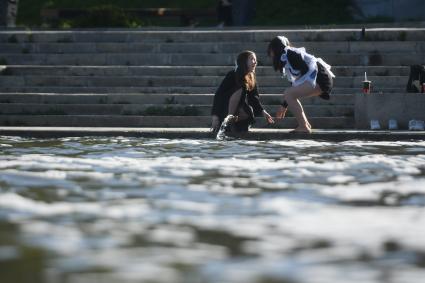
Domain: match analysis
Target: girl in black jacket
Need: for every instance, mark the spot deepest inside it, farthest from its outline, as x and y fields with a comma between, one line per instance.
x=238, y=95
x=309, y=76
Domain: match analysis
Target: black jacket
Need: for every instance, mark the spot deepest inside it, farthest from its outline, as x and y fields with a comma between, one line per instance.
x=250, y=100
x=297, y=62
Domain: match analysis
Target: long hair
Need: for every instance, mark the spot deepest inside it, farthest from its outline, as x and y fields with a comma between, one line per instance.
x=243, y=77
x=277, y=46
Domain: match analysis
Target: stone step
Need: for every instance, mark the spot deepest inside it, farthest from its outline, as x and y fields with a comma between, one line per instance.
x=181, y=81
x=157, y=121
x=372, y=58
x=172, y=90
x=22, y=70
x=152, y=109
x=142, y=78
x=158, y=98
x=208, y=47
x=259, y=134
x=210, y=35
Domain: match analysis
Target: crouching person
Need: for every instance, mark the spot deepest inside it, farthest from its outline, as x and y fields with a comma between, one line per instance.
x=238, y=96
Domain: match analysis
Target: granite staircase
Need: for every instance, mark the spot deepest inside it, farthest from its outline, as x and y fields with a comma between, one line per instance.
x=167, y=78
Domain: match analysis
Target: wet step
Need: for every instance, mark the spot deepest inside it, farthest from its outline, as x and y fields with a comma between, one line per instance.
x=206, y=47
x=171, y=81
x=159, y=98
x=152, y=109
x=157, y=121
x=333, y=135
x=372, y=58
x=211, y=35
x=37, y=70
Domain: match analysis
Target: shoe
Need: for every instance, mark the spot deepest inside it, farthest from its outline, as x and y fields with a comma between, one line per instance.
x=374, y=125
x=416, y=125
x=392, y=124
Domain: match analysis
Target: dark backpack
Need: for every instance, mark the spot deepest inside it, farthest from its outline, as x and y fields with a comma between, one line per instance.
x=416, y=78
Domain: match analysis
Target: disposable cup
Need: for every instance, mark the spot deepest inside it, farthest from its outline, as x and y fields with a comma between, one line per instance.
x=366, y=86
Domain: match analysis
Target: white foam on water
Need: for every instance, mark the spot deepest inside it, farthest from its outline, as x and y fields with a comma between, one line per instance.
x=340, y=179
x=5, y=145
x=221, y=134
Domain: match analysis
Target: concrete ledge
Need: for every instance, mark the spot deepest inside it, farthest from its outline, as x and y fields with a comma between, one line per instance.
x=400, y=106
x=204, y=133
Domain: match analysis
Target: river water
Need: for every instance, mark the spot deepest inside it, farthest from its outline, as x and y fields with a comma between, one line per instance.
x=157, y=210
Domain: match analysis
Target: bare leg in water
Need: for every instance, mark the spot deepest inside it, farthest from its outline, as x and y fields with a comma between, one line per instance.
x=292, y=96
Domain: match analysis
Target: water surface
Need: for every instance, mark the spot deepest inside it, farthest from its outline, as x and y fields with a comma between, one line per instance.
x=158, y=210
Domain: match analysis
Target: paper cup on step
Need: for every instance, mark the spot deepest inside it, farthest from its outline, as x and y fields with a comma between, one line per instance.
x=366, y=86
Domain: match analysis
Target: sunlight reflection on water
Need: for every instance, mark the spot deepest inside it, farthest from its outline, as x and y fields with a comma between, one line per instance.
x=134, y=210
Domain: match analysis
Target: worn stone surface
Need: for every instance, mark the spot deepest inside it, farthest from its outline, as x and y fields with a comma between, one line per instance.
x=382, y=107
x=204, y=133
x=111, y=77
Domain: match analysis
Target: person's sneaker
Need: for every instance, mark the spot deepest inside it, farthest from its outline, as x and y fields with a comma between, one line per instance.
x=392, y=124
x=416, y=125
x=374, y=125
x=419, y=125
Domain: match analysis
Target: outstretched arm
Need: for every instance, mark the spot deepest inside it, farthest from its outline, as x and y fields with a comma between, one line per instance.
x=268, y=117
x=254, y=101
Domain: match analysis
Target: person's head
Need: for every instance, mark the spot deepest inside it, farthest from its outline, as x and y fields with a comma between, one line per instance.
x=246, y=63
x=275, y=50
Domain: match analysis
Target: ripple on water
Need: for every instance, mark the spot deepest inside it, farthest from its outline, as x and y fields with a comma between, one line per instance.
x=234, y=211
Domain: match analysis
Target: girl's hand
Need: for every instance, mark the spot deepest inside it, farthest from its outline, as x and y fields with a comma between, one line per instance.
x=268, y=117
x=215, y=123
x=281, y=112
